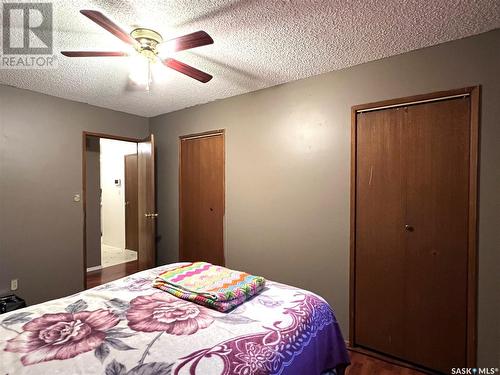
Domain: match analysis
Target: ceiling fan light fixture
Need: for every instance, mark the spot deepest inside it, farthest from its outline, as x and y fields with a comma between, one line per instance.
x=140, y=71
x=147, y=42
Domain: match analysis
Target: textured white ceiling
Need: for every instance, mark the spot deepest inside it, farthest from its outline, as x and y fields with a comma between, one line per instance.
x=258, y=43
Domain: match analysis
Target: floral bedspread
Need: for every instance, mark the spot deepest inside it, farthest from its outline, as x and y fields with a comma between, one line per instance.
x=127, y=327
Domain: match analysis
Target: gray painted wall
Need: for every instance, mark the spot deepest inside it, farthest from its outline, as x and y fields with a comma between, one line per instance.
x=41, y=227
x=287, y=171
x=287, y=147
x=93, y=203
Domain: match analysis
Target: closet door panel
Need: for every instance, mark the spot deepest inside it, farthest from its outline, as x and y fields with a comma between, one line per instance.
x=380, y=265
x=202, y=192
x=437, y=138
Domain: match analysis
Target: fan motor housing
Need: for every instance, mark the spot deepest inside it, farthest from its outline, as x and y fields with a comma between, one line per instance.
x=147, y=41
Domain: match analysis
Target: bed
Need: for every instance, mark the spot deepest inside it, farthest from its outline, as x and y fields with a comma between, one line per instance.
x=126, y=327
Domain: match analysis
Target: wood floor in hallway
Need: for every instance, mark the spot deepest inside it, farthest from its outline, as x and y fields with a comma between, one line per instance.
x=111, y=273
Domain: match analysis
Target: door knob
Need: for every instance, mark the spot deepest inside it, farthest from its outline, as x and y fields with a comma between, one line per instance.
x=409, y=228
x=151, y=215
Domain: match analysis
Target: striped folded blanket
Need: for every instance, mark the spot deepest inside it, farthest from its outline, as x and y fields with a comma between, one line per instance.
x=212, y=286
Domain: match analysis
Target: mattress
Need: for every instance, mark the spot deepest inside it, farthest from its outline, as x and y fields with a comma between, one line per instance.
x=129, y=327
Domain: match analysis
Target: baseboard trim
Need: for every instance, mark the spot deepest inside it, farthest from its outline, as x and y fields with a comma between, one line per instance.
x=95, y=268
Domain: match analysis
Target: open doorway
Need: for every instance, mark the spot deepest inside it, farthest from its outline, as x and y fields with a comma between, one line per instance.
x=116, y=185
x=119, y=211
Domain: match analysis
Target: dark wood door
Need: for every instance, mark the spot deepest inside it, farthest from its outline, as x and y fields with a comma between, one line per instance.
x=147, y=214
x=201, y=186
x=380, y=256
x=437, y=138
x=131, y=204
x=412, y=181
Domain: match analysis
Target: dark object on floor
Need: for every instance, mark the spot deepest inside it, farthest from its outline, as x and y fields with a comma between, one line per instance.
x=11, y=303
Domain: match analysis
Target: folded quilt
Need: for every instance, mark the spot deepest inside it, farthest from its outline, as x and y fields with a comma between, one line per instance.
x=212, y=286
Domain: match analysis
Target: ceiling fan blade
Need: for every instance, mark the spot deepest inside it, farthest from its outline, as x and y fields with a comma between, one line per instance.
x=108, y=25
x=193, y=40
x=187, y=70
x=92, y=53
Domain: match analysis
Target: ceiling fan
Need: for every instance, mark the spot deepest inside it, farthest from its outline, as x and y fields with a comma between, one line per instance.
x=147, y=42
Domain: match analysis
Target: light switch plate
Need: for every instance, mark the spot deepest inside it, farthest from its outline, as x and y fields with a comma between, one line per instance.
x=13, y=284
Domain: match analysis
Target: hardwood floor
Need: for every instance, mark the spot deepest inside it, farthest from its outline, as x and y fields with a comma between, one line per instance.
x=111, y=273
x=362, y=364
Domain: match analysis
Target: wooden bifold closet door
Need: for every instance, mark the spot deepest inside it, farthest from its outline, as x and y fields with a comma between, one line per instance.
x=411, y=232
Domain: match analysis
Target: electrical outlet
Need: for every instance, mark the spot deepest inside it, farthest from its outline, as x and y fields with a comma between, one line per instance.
x=13, y=284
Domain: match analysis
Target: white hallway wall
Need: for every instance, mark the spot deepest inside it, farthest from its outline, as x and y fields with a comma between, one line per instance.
x=113, y=197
